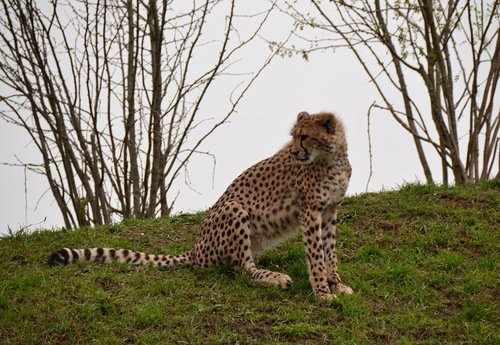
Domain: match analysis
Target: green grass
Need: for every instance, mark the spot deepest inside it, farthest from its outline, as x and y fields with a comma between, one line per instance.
x=424, y=263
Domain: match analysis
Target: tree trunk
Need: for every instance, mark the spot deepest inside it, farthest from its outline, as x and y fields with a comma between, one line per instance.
x=156, y=38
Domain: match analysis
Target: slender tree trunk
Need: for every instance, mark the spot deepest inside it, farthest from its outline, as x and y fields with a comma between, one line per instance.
x=156, y=38
x=131, y=119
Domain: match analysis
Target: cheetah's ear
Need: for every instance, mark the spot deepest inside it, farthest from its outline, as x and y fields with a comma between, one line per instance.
x=302, y=115
x=329, y=125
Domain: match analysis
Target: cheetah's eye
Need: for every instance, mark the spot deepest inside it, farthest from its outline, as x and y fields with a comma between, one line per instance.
x=303, y=137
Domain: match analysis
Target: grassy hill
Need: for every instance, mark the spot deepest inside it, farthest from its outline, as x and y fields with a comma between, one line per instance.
x=424, y=263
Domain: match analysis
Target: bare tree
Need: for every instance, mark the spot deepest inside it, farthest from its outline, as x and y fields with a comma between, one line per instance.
x=111, y=93
x=453, y=47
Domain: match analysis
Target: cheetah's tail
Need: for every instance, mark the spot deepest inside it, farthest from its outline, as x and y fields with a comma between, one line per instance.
x=65, y=256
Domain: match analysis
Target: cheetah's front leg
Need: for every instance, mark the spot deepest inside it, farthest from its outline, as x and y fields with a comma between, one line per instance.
x=310, y=222
x=329, y=237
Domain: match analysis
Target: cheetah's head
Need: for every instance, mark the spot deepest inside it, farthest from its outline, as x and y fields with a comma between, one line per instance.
x=318, y=136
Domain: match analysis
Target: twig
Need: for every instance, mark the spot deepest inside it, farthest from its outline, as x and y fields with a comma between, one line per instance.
x=370, y=153
x=25, y=195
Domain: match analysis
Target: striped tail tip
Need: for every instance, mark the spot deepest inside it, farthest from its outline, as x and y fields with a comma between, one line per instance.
x=59, y=258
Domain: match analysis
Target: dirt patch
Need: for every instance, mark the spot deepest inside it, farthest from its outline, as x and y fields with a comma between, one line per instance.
x=473, y=201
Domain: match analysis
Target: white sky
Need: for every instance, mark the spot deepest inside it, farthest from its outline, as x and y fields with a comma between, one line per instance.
x=329, y=81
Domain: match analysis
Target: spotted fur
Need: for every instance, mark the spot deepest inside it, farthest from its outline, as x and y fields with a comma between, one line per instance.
x=301, y=186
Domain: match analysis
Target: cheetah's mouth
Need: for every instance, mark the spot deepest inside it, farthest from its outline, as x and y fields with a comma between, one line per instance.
x=304, y=160
x=302, y=157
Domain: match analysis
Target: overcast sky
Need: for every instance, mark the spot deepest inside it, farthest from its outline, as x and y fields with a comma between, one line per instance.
x=329, y=81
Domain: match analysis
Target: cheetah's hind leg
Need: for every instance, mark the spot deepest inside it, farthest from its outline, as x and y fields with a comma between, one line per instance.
x=240, y=252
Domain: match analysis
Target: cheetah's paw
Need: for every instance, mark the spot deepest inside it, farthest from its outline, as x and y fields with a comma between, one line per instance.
x=277, y=279
x=340, y=288
x=280, y=280
x=326, y=297
x=270, y=278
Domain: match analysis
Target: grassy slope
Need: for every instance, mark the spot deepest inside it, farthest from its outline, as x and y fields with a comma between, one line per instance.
x=424, y=264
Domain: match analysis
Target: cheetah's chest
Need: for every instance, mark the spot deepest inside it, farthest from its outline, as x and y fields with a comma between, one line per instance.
x=336, y=189
x=328, y=189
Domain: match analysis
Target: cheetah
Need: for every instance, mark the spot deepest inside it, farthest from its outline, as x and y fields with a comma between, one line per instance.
x=301, y=186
